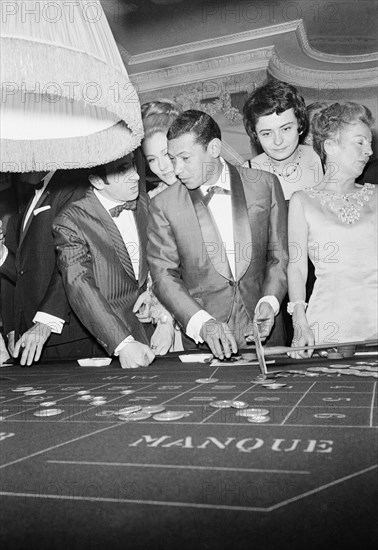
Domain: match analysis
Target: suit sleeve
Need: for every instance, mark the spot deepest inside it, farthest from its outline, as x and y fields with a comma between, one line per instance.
x=75, y=262
x=275, y=281
x=164, y=263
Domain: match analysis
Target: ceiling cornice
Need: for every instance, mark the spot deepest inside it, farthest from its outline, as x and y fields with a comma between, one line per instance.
x=357, y=78
x=303, y=65
x=296, y=26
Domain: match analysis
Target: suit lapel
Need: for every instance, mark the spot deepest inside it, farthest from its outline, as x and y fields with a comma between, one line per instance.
x=210, y=235
x=42, y=199
x=241, y=227
x=140, y=216
x=113, y=232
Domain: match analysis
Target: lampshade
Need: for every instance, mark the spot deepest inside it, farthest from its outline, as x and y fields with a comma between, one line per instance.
x=67, y=101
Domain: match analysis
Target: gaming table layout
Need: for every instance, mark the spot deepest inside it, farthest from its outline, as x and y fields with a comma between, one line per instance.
x=155, y=458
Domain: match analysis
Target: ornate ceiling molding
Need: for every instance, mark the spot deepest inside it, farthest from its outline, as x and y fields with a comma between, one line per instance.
x=312, y=70
x=296, y=26
x=357, y=78
x=202, y=71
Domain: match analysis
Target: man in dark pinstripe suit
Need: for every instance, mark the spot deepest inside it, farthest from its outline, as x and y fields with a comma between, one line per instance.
x=101, y=242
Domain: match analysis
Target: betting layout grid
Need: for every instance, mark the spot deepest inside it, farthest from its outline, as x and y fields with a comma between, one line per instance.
x=297, y=411
x=341, y=393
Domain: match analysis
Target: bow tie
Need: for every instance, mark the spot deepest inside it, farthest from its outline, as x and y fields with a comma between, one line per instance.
x=215, y=189
x=128, y=205
x=38, y=186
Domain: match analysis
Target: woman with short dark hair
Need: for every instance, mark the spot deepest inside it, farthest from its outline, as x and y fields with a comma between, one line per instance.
x=275, y=118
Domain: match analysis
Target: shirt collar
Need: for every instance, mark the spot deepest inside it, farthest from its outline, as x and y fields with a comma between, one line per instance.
x=106, y=203
x=223, y=180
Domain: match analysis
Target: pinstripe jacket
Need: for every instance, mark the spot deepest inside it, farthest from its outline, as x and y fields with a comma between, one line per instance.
x=95, y=267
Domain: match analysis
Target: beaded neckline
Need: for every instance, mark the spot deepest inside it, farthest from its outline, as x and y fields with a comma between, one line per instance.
x=347, y=206
x=292, y=166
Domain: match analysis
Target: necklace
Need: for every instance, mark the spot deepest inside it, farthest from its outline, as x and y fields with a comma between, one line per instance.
x=346, y=206
x=289, y=169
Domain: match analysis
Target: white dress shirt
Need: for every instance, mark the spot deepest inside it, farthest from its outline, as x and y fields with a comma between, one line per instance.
x=221, y=209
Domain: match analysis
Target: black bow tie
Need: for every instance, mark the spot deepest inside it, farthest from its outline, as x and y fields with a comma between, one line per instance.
x=38, y=186
x=215, y=189
x=128, y=205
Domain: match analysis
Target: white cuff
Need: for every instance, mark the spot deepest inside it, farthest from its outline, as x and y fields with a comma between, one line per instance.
x=272, y=300
x=124, y=342
x=4, y=256
x=194, y=326
x=55, y=323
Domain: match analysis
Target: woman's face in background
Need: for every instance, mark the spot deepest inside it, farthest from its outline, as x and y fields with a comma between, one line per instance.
x=155, y=150
x=278, y=134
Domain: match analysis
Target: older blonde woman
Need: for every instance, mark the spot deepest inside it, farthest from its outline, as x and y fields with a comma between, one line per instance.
x=335, y=224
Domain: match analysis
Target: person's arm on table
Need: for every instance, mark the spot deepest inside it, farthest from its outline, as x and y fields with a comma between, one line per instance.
x=76, y=265
x=164, y=262
x=297, y=277
x=275, y=282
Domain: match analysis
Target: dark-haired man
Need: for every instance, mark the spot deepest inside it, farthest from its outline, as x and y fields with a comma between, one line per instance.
x=218, y=257
x=101, y=243
x=43, y=324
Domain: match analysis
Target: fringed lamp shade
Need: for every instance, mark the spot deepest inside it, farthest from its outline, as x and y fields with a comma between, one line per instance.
x=67, y=101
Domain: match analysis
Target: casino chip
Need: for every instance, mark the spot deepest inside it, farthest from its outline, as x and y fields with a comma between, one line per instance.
x=153, y=409
x=274, y=386
x=258, y=419
x=221, y=404
x=170, y=415
x=252, y=412
x=206, y=380
x=134, y=417
x=239, y=405
x=339, y=366
x=130, y=409
x=48, y=412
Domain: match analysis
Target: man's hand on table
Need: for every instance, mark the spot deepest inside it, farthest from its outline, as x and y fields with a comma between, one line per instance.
x=264, y=318
x=219, y=338
x=135, y=354
x=31, y=343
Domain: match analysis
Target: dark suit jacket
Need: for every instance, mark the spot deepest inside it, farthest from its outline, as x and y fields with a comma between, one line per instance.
x=189, y=270
x=32, y=263
x=97, y=272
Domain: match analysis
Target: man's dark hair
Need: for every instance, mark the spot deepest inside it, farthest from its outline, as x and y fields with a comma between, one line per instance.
x=198, y=123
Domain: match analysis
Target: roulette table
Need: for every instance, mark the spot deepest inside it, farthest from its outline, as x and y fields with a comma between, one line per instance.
x=190, y=455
